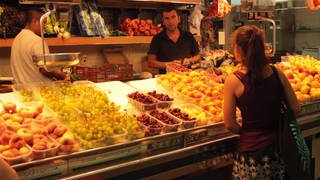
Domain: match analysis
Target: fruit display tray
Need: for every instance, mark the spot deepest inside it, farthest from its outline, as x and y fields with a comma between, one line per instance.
x=144, y=147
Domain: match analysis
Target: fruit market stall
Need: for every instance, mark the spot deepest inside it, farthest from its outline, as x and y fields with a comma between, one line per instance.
x=168, y=125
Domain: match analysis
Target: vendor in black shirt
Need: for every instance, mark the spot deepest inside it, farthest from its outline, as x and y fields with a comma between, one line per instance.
x=172, y=44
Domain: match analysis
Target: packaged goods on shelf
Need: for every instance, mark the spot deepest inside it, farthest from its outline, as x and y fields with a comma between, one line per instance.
x=89, y=20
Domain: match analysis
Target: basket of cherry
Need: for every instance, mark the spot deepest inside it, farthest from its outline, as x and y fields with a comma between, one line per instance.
x=151, y=125
x=142, y=101
x=164, y=100
x=187, y=121
x=169, y=122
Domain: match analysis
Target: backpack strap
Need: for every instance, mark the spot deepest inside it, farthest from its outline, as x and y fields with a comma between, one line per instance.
x=239, y=75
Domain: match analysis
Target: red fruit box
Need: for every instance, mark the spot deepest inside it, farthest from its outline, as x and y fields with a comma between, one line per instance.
x=149, y=130
x=168, y=127
x=161, y=104
x=94, y=74
x=22, y=158
x=186, y=124
x=121, y=72
x=141, y=106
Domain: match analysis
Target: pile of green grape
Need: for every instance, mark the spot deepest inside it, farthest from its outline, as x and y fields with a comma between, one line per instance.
x=100, y=121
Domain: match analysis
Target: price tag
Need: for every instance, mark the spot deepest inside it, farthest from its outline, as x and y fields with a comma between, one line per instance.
x=107, y=156
x=42, y=171
x=166, y=143
x=310, y=108
x=195, y=136
x=216, y=131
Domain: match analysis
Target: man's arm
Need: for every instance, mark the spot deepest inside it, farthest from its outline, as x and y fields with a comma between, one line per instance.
x=54, y=74
x=153, y=62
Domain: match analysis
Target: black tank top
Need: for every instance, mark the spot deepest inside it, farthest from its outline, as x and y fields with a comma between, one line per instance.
x=260, y=109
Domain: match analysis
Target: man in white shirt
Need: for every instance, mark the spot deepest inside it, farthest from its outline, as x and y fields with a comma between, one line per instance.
x=26, y=44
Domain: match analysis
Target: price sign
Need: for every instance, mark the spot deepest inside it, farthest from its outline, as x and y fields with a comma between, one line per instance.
x=42, y=171
x=310, y=108
x=167, y=143
x=107, y=156
x=216, y=131
x=196, y=136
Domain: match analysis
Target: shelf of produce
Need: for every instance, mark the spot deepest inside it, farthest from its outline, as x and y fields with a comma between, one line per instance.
x=76, y=41
x=142, y=153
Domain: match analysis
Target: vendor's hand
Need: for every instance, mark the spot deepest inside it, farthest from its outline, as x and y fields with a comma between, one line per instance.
x=176, y=61
x=186, y=61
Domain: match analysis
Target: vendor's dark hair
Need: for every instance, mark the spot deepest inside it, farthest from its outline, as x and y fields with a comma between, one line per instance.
x=33, y=12
x=169, y=8
x=250, y=39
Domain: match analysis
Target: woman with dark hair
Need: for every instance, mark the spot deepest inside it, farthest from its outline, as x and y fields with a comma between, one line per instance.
x=255, y=89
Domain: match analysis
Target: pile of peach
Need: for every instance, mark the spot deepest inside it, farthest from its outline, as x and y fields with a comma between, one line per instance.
x=303, y=73
x=22, y=138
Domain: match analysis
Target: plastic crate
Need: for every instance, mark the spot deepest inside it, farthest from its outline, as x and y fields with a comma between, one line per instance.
x=106, y=72
x=94, y=74
x=168, y=127
x=18, y=159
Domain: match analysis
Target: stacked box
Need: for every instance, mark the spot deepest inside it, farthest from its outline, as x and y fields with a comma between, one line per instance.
x=106, y=72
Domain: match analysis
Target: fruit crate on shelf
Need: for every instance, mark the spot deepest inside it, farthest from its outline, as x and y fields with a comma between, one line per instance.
x=106, y=72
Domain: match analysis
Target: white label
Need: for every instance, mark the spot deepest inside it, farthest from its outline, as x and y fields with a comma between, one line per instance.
x=43, y=171
x=222, y=37
x=217, y=131
x=107, y=156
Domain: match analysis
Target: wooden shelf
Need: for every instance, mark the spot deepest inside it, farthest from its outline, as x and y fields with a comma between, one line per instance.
x=146, y=3
x=76, y=41
x=171, y=1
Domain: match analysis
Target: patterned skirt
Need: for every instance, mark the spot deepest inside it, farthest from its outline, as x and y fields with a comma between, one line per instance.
x=258, y=165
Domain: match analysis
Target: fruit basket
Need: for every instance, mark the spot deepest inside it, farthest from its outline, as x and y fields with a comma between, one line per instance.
x=150, y=125
x=188, y=95
x=44, y=148
x=142, y=101
x=183, y=116
x=163, y=100
x=118, y=137
x=22, y=155
x=25, y=92
x=203, y=117
x=169, y=123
